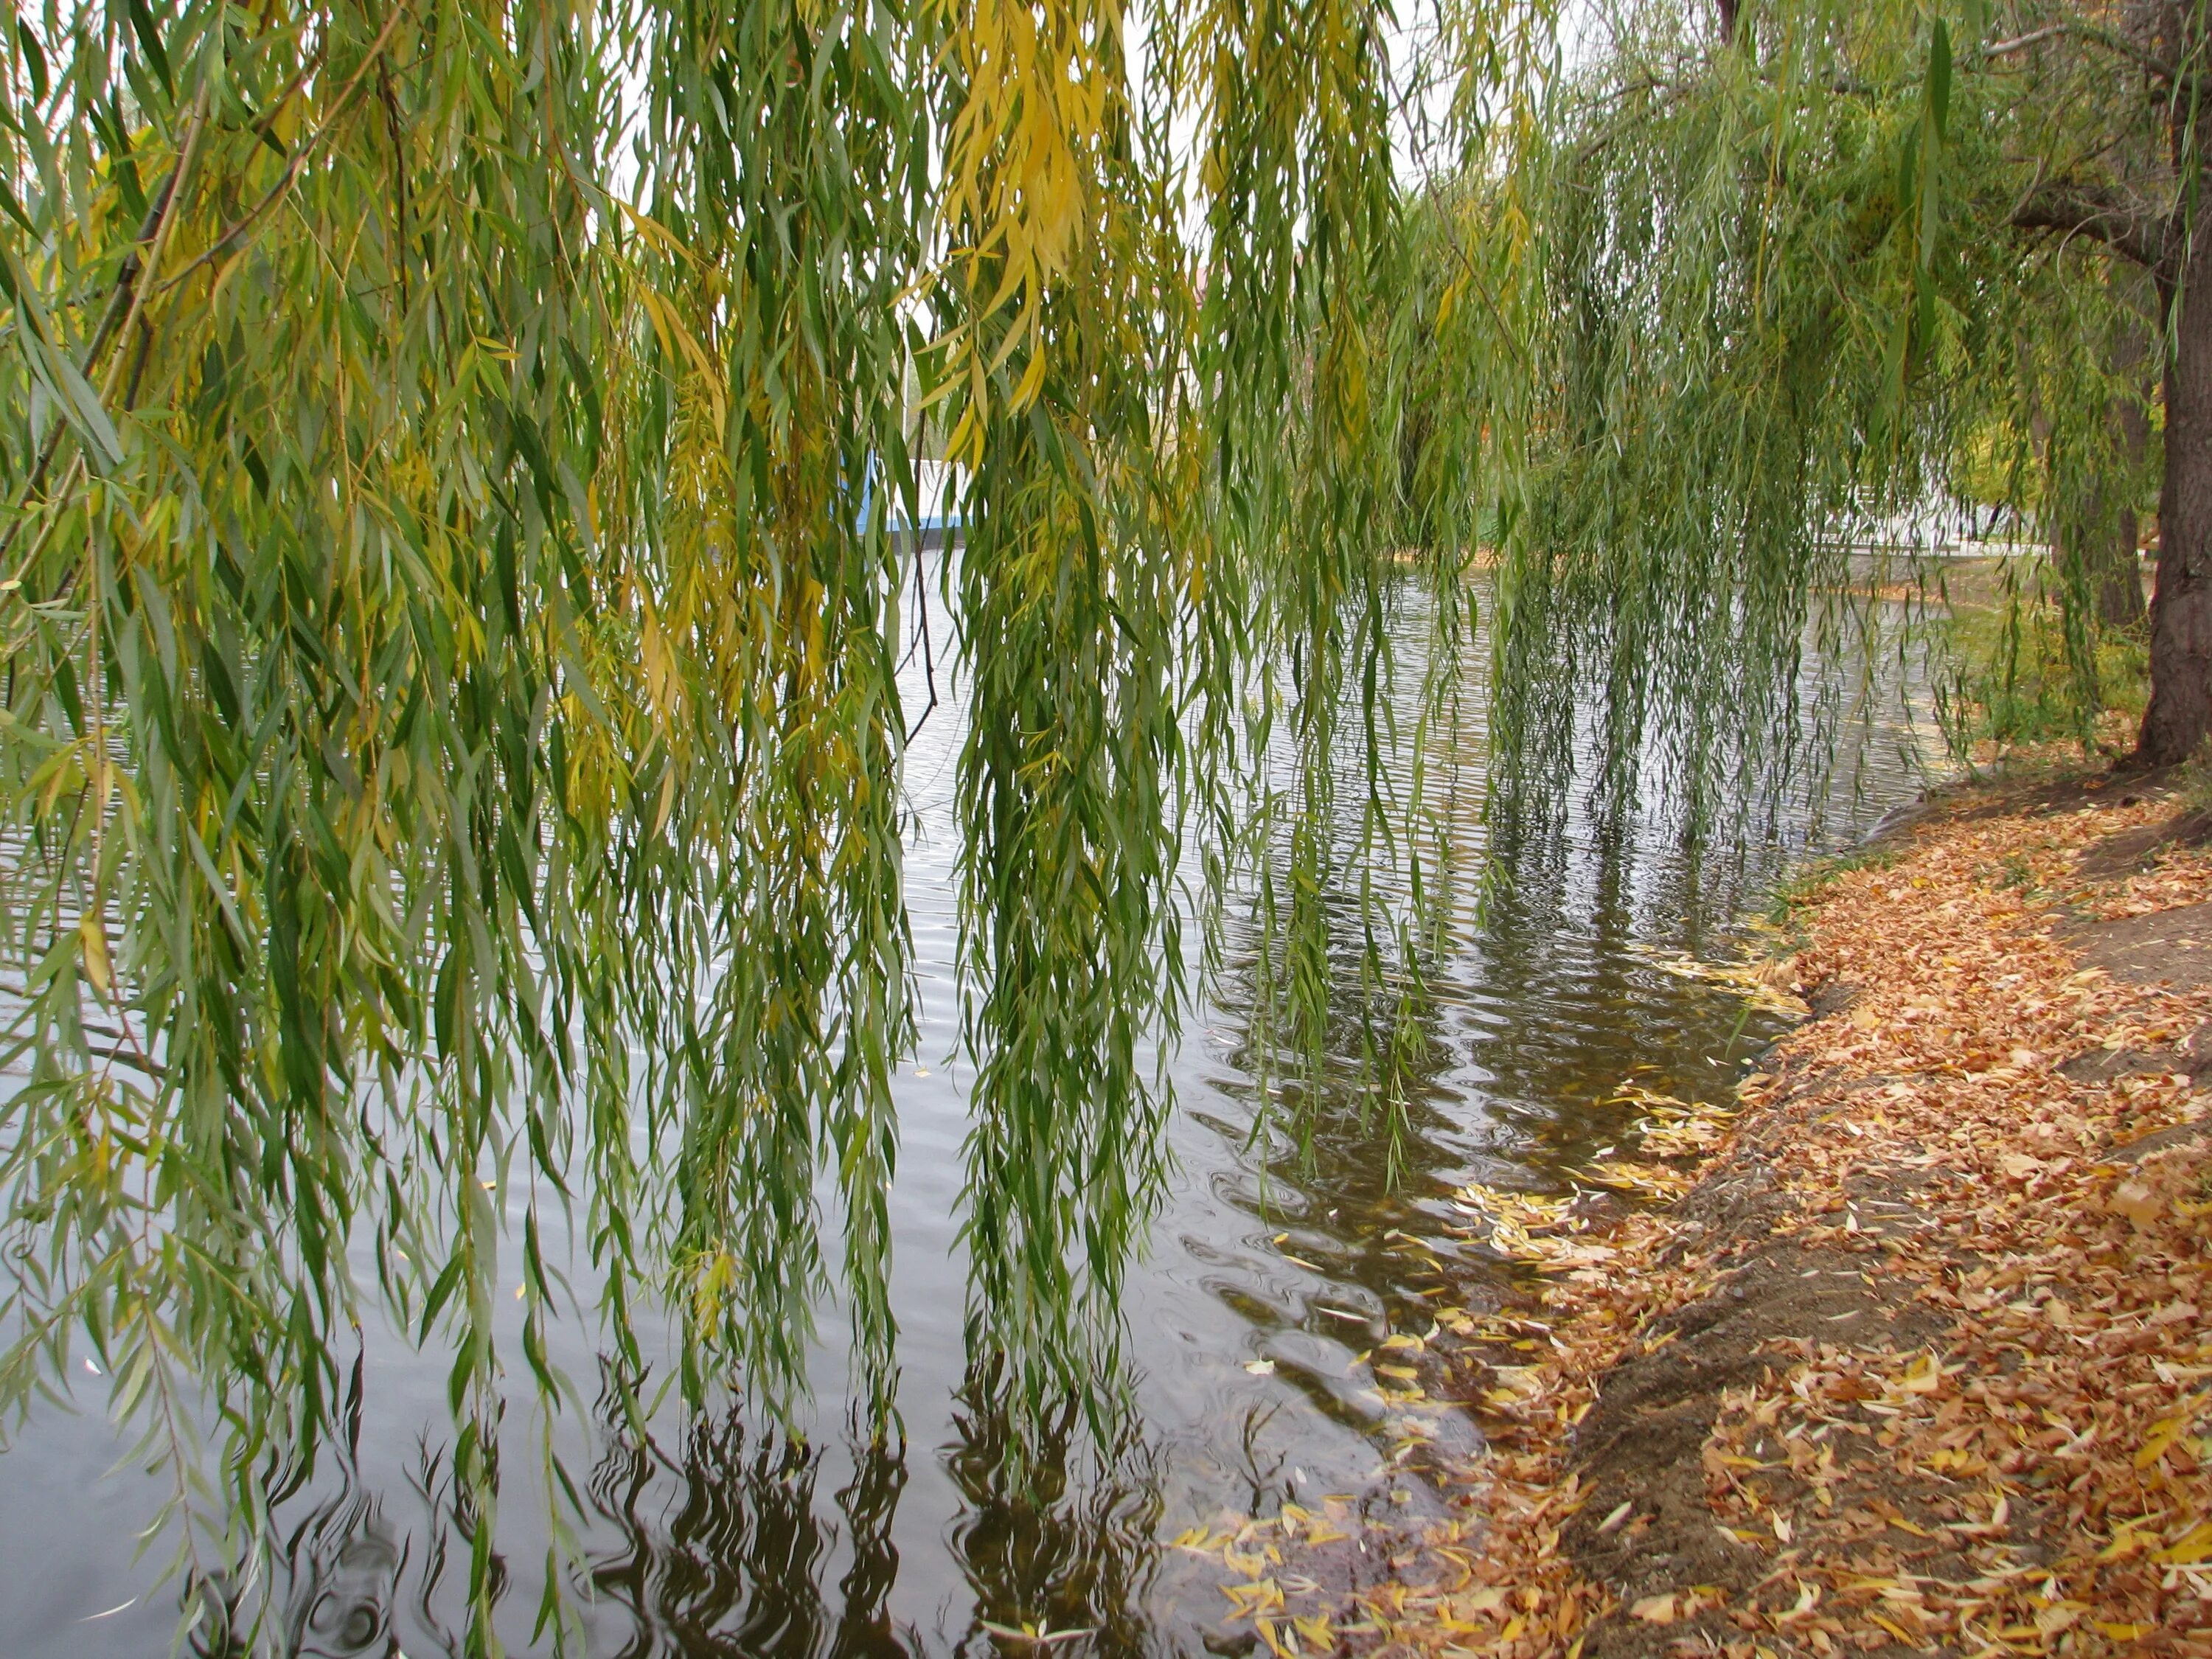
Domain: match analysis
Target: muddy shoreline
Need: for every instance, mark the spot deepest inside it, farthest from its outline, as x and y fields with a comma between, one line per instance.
x=1791, y=1285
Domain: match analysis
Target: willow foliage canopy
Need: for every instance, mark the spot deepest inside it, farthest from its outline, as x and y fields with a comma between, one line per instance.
x=1803, y=271
x=450, y=461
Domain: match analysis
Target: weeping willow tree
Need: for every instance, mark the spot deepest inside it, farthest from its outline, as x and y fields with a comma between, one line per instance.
x=452, y=736
x=1801, y=272
x=452, y=464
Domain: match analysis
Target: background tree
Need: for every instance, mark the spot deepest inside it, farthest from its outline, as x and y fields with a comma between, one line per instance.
x=2110, y=99
x=1796, y=265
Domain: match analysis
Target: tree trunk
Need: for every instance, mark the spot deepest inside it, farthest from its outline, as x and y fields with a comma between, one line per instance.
x=2180, y=710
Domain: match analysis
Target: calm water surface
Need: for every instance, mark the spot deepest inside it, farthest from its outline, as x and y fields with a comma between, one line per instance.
x=723, y=1537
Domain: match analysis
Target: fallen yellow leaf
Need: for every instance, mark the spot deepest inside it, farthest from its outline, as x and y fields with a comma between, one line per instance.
x=2191, y=1548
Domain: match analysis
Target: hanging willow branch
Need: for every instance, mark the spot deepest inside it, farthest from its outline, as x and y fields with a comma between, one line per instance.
x=452, y=728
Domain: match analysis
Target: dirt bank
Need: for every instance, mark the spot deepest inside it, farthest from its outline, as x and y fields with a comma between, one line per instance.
x=1918, y=1362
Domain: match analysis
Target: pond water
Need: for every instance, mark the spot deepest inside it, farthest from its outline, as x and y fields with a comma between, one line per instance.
x=1271, y=1268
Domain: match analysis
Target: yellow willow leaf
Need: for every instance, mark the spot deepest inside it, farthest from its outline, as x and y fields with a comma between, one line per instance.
x=1446, y=301
x=676, y=340
x=1032, y=382
x=653, y=229
x=92, y=940
x=2163, y=1434
x=1023, y=328
x=662, y=679
x=2193, y=1547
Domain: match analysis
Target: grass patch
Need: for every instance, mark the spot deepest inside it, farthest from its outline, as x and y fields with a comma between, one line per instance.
x=1808, y=884
x=2019, y=676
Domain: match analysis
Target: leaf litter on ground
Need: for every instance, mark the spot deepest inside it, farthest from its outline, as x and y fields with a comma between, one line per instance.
x=2036, y=1480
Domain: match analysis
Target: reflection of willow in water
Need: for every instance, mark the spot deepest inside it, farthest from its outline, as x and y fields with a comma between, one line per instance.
x=1579, y=867
x=1763, y=728
x=725, y=1544
x=336, y=1574
x=1058, y=1533
x=722, y=1553
x=1529, y=979
x=1566, y=926
x=343, y=1566
x=1349, y=1054
x=1061, y=1499
x=732, y=1564
x=1357, y=851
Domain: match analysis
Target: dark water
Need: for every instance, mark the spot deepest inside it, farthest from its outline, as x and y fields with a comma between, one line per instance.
x=723, y=1536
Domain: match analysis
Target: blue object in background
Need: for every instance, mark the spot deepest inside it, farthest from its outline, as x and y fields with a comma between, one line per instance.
x=939, y=524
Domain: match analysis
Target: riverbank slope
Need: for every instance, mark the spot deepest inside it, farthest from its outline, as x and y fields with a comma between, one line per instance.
x=1919, y=1361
